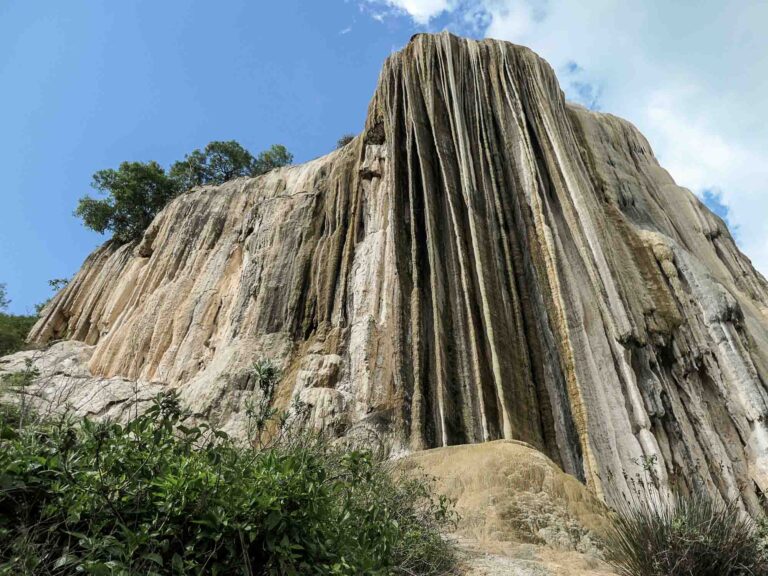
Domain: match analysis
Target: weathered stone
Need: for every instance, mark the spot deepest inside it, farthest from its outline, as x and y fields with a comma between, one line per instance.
x=484, y=261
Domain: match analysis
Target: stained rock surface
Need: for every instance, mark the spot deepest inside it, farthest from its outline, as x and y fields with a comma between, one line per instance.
x=484, y=261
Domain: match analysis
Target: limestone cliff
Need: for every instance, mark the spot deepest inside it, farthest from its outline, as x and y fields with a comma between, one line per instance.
x=484, y=261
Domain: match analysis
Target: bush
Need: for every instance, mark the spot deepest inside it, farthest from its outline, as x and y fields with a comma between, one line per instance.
x=156, y=496
x=13, y=332
x=344, y=140
x=684, y=536
x=13, y=328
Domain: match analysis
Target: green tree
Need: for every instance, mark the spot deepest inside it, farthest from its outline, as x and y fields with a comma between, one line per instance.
x=135, y=193
x=220, y=162
x=217, y=163
x=3, y=297
x=276, y=157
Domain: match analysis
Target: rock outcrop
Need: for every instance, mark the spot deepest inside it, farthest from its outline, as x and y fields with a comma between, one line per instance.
x=484, y=261
x=518, y=512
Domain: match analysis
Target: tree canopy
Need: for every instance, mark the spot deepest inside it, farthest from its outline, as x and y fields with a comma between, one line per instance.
x=276, y=157
x=137, y=191
x=217, y=163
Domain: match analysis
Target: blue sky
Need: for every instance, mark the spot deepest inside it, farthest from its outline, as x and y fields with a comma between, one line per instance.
x=88, y=84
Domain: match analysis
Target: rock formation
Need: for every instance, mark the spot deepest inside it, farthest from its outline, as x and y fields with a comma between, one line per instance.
x=484, y=261
x=518, y=512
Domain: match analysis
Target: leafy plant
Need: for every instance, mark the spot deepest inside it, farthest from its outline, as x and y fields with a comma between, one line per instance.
x=160, y=495
x=344, y=140
x=13, y=332
x=14, y=328
x=14, y=416
x=135, y=193
x=684, y=536
x=57, y=284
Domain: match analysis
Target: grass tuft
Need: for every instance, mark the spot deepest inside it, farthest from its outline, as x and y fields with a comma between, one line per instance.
x=692, y=535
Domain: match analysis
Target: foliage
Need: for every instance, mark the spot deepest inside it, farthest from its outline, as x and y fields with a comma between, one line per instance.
x=276, y=157
x=344, y=140
x=220, y=162
x=135, y=193
x=57, y=284
x=685, y=535
x=13, y=328
x=160, y=495
x=216, y=164
x=13, y=332
x=14, y=416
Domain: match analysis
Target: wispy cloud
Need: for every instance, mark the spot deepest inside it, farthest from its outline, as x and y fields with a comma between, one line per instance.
x=346, y=30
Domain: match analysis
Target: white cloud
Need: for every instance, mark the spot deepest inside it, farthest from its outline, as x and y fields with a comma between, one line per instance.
x=692, y=76
x=421, y=11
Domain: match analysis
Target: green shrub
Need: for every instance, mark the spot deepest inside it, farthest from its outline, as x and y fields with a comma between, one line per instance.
x=684, y=536
x=344, y=140
x=13, y=332
x=13, y=328
x=156, y=496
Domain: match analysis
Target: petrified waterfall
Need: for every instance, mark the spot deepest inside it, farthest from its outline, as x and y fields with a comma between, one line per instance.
x=483, y=261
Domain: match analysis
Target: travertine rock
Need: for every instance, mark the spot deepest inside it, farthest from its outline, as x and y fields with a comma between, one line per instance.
x=484, y=261
x=505, y=491
x=518, y=512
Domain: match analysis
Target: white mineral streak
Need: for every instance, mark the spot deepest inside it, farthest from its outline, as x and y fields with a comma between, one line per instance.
x=484, y=261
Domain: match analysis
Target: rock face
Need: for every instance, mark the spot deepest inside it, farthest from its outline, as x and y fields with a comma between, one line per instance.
x=484, y=261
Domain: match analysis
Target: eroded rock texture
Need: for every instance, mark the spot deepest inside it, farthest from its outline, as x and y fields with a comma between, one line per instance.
x=484, y=261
